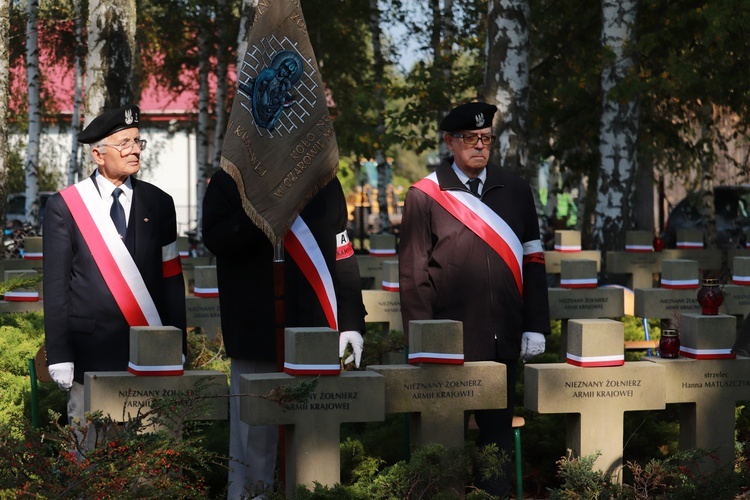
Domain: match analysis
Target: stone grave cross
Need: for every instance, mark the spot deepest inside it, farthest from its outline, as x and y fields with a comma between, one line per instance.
x=568, y=247
x=580, y=297
x=677, y=294
x=437, y=387
x=639, y=262
x=202, y=308
x=313, y=428
x=155, y=371
x=595, y=388
x=708, y=381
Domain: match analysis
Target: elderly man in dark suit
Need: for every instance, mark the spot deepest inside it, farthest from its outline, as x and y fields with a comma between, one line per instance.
x=111, y=259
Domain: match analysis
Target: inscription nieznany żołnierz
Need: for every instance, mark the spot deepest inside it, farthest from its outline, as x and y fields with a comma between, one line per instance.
x=678, y=304
x=443, y=389
x=389, y=306
x=609, y=388
x=142, y=398
x=326, y=401
x=716, y=380
x=584, y=303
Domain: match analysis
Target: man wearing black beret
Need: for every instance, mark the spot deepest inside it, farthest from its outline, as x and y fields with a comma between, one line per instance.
x=111, y=259
x=470, y=251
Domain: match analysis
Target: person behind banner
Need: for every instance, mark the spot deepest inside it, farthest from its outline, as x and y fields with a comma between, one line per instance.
x=111, y=259
x=244, y=265
x=470, y=251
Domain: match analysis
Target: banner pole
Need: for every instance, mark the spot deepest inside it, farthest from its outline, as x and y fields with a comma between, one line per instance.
x=280, y=317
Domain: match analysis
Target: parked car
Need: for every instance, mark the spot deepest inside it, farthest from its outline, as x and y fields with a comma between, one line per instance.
x=732, y=205
x=16, y=212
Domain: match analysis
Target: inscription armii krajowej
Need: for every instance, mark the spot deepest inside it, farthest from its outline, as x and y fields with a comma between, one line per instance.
x=446, y=389
x=607, y=388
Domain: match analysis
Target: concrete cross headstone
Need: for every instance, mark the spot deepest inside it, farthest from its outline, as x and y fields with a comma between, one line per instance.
x=579, y=297
x=21, y=300
x=202, y=308
x=568, y=247
x=677, y=294
x=639, y=262
x=382, y=248
x=313, y=428
x=690, y=247
x=155, y=371
x=707, y=383
x=438, y=387
x=595, y=388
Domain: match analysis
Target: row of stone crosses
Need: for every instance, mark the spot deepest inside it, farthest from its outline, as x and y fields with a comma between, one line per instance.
x=594, y=385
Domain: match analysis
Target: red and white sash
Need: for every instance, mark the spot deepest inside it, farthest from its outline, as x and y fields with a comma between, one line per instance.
x=482, y=221
x=300, y=243
x=110, y=254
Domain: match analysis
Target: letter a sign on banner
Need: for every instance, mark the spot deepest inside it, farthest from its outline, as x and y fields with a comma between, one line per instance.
x=280, y=146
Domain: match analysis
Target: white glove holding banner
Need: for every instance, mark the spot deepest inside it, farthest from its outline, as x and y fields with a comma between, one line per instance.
x=354, y=338
x=532, y=344
x=62, y=374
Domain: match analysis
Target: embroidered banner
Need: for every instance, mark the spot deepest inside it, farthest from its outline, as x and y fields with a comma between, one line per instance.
x=280, y=145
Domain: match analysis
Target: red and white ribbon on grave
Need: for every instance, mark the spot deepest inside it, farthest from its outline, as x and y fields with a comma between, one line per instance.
x=440, y=358
x=578, y=282
x=740, y=280
x=206, y=292
x=20, y=296
x=382, y=252
x=639, y=248
x=594, y=361
x=155, y=370
x=679, y=284
x=311, y=369
x=689, y=244
x=390, y=286
x=32, y=255
x=689, y=352
x=567, y=248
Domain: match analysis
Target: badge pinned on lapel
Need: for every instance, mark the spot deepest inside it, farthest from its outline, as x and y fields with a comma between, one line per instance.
x=145, y=220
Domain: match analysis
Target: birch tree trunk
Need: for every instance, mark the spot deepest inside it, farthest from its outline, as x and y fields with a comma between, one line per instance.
x=4, y=100
x=35, y=113
x=110, y=60
x=441, y=41
x=378, y=81
x=202, y=141
x=75, y=121
x=507, y=82
x=506, y=85
x=222, y=64
x=247, y=16
x=618, y=132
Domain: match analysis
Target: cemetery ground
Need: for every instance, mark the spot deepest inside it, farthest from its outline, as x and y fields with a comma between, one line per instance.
x=192, y=464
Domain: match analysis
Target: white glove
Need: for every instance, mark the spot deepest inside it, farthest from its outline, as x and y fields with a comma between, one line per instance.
x=355, y=339
x=532, y=343
x=62, y=374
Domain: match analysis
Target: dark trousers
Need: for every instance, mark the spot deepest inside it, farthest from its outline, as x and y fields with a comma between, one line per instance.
x=496, y=426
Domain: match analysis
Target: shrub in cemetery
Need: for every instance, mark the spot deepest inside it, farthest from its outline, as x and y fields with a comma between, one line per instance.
x=677, y=477
x=21, y=336
x=432, y=471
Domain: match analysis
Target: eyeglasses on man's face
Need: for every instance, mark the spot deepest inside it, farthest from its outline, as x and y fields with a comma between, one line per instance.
x=473, y=139
x=126, y=147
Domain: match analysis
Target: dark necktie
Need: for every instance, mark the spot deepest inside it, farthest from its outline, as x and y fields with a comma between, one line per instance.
x=118, y=213
x=474, y=185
